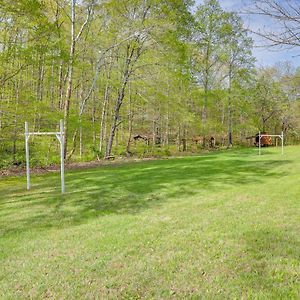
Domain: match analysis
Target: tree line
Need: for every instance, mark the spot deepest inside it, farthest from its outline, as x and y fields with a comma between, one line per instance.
x=134, y=77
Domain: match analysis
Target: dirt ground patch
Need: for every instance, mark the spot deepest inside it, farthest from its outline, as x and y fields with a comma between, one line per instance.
x=21, y=170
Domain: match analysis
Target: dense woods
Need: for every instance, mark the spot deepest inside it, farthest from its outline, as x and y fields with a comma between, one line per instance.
x=134, y=78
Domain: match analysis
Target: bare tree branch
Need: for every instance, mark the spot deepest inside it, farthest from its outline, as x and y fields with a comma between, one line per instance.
x=286, y=13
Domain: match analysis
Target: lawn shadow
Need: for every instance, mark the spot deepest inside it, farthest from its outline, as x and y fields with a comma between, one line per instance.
x=126, y=189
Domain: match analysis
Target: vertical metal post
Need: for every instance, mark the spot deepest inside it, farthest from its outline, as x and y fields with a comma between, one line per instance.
x=62, y=156
x=282, y=143
x=27, y=155
x=259, y=143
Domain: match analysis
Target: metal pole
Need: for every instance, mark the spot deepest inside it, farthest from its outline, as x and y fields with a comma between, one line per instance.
x=62, y=156
x=282, y=143
x=259, y=143
x=27, y=155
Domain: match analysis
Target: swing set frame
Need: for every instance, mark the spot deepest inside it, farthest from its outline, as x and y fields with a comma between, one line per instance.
x=260, y=136
x=61, y=138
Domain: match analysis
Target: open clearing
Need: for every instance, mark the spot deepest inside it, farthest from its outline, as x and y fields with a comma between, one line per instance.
x=219, y=225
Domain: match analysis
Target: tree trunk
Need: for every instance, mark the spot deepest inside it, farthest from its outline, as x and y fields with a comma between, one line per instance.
x=69, y=77
x=94, y=120
x=104, y=109
x=121, y=94
x=115, y=119
x=60, y=86
x=130, y=126
x=229, y=113
x=15, y=122
x=80, y=141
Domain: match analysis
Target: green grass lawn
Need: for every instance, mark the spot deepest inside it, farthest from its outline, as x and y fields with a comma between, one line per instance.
x=222, y=225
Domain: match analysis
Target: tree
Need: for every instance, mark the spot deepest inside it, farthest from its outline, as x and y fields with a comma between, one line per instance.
x=238, y=57
x=207, y=36
x=75, y=36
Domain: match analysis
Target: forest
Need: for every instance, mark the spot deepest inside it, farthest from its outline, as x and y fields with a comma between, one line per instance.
x=135, y=78
x=133, y=149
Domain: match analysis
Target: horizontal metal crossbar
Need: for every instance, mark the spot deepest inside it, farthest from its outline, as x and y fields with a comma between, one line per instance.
x=271, y=135
x=44, y=133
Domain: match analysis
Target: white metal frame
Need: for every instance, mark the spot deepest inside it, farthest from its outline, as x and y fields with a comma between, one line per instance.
x=60, y=136
x=269, y=135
